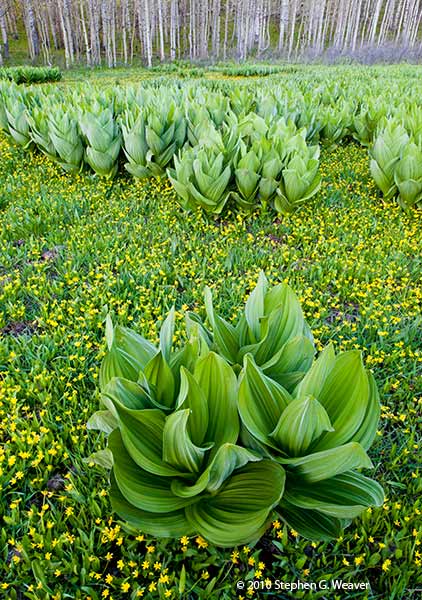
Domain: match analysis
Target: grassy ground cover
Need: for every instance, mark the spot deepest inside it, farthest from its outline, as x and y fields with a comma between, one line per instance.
x=74, y=247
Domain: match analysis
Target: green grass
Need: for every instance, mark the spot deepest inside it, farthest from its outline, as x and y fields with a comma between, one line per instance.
x=73, y=248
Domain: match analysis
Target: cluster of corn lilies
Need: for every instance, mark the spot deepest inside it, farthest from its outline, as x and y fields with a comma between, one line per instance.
x=239, y=425
x=396, y=160
x=219, y=143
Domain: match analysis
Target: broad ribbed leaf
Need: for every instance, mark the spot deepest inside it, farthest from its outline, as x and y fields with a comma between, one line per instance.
x=367, y=430
x=103, y=420
x=313, y=382
x=289, y=365
x=225, y=336
x=344, y=496
x=192, y=397
x=171, y=524
x=219, y=385
x=300, y=424
x=254, y=309
x=238, y=512
x=161, y=380
x=129, y=393
x=128, y=355
x=142, y=489
x=328, y=463
x=178, y=448
x=261, y=401
x=311, y=524
x=345, y=396
x=283, y=324
x=166, y=334
x=227, y=458
x=142, y=433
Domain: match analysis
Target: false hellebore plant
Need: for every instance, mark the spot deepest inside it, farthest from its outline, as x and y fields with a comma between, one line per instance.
x=177, y=469
x=194, y=449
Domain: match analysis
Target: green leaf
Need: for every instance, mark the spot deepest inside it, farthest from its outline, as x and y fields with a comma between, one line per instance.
x=166, y=334
x=312, y=383
x=225, y=335
x=192, y=397
x=142, y=433
x=178, y=448
x=345, y=396
x=261, y=401
x=254, y=309
x=283, y=324
x=328, y=463
x=238, y=513
x=103, y=420
x=171, y=524
x=103, y=458
x=301, y=423
x=129, y=354
x=368, y=428
x=129, y=393
x=109, y=331
x=140, y=488
x=227, y=458
x=311, y=524
x=160, y=379
x=343, y=496
x=219, y=386
x=289, y=365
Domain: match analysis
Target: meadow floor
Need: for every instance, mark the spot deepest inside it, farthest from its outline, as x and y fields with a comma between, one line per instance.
x=73, y=248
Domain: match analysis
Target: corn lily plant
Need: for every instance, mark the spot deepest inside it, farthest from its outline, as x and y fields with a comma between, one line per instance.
x=103, y=140
x=385, y=154
x=408, y=177
x=176, y=467
x=272, y=329
x=17, y=128
x=66, y=138
x=152, y=137
x=320, y=434
x=366, y=122
x=257, y=174
x=40, y=132
x=201, y=178
x=194, y=450
x=300, y=180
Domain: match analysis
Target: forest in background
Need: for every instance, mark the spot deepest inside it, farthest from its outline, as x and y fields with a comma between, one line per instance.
x=111, y=32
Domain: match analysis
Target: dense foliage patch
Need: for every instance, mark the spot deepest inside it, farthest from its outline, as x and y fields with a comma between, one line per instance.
x=29, y=75
x=222, y=143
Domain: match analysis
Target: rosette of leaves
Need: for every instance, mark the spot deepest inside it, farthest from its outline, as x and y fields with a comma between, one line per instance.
x=300, y=179
x=272, y=329
x=134, y=362
x=176, y=467
x=320, y=433
x=337, y=121
x=16, y=112
x=242, y=100
x=385, y=154
x=408, y=176
x=257, y=173
x=201, y=177
x=310, y=118
x=366, y=122
x=411, y=117
x=152, y=136
x=103, y=140
x=40, y=131
x=66, y=138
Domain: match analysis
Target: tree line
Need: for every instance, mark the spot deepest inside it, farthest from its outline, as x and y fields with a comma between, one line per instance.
x=117, y=31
